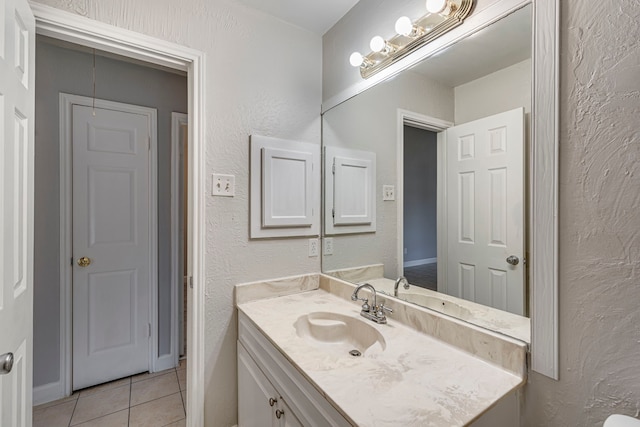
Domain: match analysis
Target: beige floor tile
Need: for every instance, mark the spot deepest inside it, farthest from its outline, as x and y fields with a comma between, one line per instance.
x=106, y=386
x=154, y=388
x=73, y=397
x=100, y=404
x=149, y=375
x=181, y=423
x=159, y=412
x=118, y=419
x=182, y=378
x=54, y=416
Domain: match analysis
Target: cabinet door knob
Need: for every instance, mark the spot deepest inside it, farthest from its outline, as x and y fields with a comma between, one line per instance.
x=279, y=413
x=272, y=401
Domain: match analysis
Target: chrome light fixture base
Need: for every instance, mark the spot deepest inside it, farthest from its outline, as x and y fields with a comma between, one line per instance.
x=433, y=25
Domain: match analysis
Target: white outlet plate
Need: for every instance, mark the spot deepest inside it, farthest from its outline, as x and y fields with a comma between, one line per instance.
x=388, y=192
x=327, y=246
x=313, y=247
x=223, y=185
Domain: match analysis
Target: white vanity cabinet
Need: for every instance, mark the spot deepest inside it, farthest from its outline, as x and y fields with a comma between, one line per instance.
x=271, y=391
x=259, y=403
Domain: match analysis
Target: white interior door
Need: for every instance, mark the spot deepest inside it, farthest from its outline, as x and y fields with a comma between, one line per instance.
x=17, y=97
x=485, y=204
x=111, y=214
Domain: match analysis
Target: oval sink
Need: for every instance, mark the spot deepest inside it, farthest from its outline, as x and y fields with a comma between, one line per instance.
x=438, y=304
x=339, y=334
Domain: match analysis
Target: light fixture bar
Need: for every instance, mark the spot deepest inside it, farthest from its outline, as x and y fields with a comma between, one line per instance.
x=412, y=35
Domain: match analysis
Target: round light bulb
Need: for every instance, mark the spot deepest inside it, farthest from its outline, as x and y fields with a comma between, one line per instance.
x=377, y=44
x=404, y=26
x=436, y=6
x=356, y=59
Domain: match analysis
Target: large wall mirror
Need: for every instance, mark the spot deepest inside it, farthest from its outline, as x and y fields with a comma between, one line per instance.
x=451, y=144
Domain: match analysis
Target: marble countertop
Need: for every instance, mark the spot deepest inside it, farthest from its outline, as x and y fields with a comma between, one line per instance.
x=417, y=380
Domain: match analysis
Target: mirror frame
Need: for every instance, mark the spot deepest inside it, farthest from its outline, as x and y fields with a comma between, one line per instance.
x=543, y=164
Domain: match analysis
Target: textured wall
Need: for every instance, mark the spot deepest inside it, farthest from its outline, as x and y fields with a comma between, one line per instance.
x=599, y=220
x=264, y=77
x=64, y=70
x=369, y=122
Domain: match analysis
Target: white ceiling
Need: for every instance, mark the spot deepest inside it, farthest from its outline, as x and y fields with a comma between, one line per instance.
x=317, y=16
x=498, y=46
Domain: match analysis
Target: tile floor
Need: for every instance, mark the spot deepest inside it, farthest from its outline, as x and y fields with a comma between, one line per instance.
x=425, y=276
x=144, y=400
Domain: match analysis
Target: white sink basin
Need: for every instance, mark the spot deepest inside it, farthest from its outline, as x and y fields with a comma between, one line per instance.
x=339, y=334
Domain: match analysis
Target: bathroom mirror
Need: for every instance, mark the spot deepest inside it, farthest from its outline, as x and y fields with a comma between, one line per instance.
x=450, y=141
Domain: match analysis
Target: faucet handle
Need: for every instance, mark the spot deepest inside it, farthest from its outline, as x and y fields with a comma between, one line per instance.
x=379, y=311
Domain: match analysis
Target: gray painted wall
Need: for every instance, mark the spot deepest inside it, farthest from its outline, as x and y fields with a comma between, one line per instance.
x=420, y=194
x=64, y=70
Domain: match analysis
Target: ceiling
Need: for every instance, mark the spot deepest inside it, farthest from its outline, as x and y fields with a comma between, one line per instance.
x=317, y=16
x=497, y=46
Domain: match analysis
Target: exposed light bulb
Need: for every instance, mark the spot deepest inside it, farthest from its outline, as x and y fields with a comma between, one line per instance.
x=404, y=26
x=356, y=59
x=378, y=44
x=436, y=6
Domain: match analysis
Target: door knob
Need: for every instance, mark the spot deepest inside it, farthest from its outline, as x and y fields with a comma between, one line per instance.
x=84, y=261
x=513, y=260
x=6, y=363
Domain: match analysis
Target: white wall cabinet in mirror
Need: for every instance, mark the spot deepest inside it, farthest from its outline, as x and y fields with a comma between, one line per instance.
x=285, y=182
x=504, y=56
x=350, y=198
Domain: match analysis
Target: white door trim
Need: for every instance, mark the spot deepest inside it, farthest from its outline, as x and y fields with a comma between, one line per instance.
x=177, y=121
x=80, y=30
x=67, y=101
x=405, y=117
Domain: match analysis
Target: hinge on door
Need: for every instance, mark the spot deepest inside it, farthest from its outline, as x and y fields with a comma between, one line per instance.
x=191, y=282
x=333, y=168
x=149, y=143
x=333, y=213
x=71, y=261
x=149, y=329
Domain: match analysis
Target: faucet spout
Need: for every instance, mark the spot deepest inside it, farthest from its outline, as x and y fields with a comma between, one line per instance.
x=354, y=297
x=398, y=281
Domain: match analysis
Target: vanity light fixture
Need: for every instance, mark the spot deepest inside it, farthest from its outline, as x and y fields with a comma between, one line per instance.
x=406, y=28
x=380, y=45
x=441, y=16
x=442, y=7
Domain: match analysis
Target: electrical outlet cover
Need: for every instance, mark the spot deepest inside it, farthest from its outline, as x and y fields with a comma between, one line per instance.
x=327, y=246
x=388, y=192
x=313, y=247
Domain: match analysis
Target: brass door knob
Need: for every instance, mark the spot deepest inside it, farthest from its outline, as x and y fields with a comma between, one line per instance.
x=84, y=261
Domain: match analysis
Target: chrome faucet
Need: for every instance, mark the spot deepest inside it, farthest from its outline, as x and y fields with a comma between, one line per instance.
x=375, y=312
x=398, y=281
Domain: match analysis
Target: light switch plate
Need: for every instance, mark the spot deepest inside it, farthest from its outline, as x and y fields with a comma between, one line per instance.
x=388, y=192
x=223, y=185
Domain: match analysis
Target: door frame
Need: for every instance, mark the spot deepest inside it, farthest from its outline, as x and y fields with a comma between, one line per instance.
x=177, y=281
x=421, y=121
x=67, y=101
x=73, y=28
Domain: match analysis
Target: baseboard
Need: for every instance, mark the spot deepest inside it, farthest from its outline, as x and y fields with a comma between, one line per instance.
x=420, y=262
x=48, y=393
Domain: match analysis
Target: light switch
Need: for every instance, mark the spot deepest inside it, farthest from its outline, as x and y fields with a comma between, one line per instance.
x=388, y=192
x=223, y=185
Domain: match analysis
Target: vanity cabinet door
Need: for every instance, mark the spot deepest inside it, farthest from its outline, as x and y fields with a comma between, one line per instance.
x=287, y=417
x=258, y=400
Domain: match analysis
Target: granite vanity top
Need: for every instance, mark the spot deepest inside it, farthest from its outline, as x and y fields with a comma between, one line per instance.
x=417, y=380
